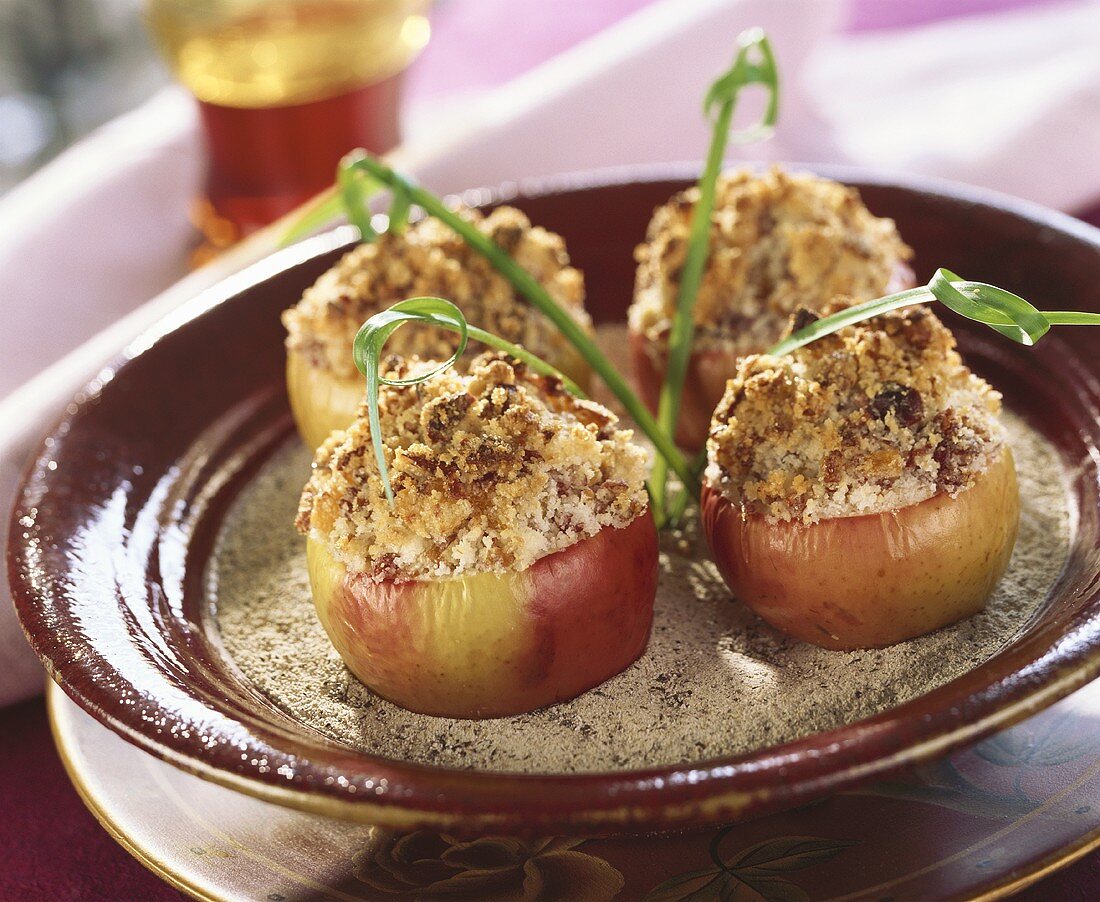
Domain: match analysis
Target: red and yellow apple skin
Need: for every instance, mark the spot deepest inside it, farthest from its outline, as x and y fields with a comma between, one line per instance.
x=323, y=401
x=872, y=580
x=707, y=374
x=705, y=383
x=495, y=644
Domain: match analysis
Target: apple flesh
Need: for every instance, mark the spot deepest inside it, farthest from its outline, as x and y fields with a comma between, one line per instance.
x=323, y=401
x=872, y=580
x=707, y=374
x=495, y=644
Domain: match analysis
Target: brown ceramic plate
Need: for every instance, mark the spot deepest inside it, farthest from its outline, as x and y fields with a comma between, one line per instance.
x=119, y=512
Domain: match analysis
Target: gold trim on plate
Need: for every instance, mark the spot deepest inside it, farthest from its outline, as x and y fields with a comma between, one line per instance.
x=99, y=811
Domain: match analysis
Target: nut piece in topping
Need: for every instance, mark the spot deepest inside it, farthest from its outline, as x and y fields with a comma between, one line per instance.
x=490, y=471
x=876, y=417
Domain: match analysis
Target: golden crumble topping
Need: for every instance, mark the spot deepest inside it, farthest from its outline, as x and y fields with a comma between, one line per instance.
x=878, y=416
x=779, y=241
x=430, y=259
x=490, y=472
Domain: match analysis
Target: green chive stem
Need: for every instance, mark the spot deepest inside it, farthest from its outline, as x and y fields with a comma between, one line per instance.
x=678, y=506
x=682, y=334
x=857, y=314
x=723, y=94
x=316, y=213
x=1071, y=318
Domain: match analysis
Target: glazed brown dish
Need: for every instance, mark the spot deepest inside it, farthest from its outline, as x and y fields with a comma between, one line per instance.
x=118, y=516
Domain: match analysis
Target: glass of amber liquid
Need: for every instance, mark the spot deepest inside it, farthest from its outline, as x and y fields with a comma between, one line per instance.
x=285, y=88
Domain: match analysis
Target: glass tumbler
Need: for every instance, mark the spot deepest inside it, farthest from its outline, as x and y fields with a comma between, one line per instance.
x=285, y=88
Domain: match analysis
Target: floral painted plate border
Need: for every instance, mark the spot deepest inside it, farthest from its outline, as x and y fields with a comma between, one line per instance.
x=980, y=824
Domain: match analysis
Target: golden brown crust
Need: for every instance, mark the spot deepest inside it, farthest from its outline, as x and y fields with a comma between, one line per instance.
x=430, y=259
x=876, y=417
x=779, y=241
x=490, y=471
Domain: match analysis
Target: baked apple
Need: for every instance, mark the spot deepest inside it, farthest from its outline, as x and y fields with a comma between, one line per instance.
x=427, y=259
x=778, y=242
x=517, y=565
x=860, y=491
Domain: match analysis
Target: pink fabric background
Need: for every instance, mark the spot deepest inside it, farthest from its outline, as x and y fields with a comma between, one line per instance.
x=52, y=846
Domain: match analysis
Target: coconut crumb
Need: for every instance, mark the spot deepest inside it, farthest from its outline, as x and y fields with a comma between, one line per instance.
x=779, y=241
x=430, y=259
x=876, y=417
x=490, y=472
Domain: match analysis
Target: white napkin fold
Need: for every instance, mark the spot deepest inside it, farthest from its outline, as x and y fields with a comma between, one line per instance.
x=96, y=232
x=1010, y=100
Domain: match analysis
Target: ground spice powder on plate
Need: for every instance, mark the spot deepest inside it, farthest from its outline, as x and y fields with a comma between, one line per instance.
x=714, y=681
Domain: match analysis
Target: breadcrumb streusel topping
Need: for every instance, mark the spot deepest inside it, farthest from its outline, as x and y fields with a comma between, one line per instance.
x=779, y=241
x=490, y=472
x=430, y=259
x=878, y=416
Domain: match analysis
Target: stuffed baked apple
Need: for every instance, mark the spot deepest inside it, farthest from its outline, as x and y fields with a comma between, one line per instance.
x=860, y=490
x=517, y=564
x=777, y=242
x=427, y=258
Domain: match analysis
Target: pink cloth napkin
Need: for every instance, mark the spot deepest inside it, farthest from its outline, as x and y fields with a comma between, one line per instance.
x=1010, y=100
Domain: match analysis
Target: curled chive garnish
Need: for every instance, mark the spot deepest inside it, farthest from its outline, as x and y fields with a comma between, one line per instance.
x=1001, y=310
x=746, y=70
x=367, y=353
x=376, y=331
x=1006, y=313
x=754, y=64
